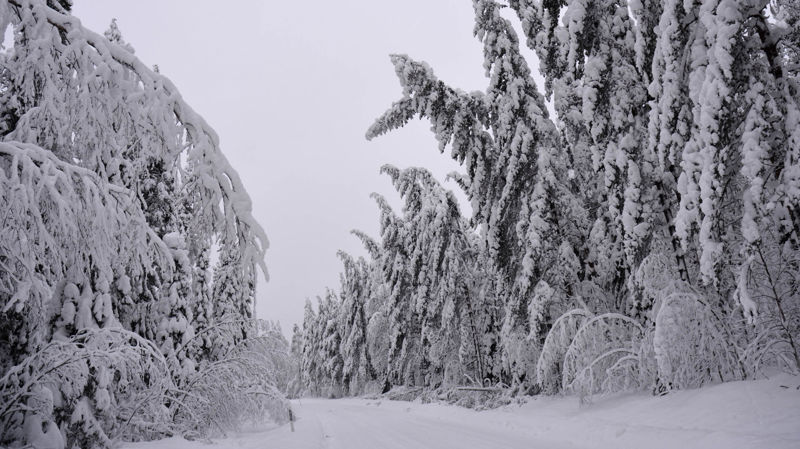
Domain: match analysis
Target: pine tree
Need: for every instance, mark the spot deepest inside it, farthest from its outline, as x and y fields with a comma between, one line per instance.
x=311, y=361
x=295, y=388
x=355, y=292
x=332, y=368
x=439, y=254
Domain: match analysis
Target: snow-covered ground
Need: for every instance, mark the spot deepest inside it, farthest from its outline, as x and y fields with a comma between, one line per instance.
x=761, y=414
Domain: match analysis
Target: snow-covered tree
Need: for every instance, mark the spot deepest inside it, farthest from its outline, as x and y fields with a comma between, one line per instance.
x=670, y=166
x=295, y=386
x=499, y=137
x=355, y=291
x=115, y=193
x=311, y=363
x=516, y=173
x=330, y=345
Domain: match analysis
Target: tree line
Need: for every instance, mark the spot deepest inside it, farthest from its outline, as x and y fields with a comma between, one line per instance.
x=636, y=225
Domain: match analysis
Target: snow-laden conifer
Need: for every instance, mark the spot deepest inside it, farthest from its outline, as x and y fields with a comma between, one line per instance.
x=115, y=193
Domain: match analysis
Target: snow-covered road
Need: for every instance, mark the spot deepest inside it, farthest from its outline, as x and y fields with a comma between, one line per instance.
x=737, y=415
x=354, y=424
x=373, y=424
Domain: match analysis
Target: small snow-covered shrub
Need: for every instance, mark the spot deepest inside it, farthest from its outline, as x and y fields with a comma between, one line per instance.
x=95, y=387
x=603, y=355
x=655, y=275
x=478, y=399
x=239, y=387
x=519, y=355
x=648, y=365
x=769, y=293
x=693, y=342
x=551, y=358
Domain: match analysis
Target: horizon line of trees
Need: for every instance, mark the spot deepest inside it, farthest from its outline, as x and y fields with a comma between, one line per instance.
x=645, y=236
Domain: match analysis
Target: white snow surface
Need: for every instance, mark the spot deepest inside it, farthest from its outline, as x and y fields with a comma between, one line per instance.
x=759, y=414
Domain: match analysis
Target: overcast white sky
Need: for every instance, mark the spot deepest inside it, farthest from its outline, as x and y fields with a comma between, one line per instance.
x=291, y=87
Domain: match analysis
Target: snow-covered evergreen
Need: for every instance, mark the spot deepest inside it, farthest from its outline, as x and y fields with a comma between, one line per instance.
x=115, y=196
x=644, y=237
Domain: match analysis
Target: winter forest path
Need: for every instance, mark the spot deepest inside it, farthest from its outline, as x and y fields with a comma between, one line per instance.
x=737, y=415
x=356, y=424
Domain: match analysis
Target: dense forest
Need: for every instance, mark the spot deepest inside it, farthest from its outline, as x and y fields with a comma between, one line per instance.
x=128, y=251
x=633, y=179
x=635, y=219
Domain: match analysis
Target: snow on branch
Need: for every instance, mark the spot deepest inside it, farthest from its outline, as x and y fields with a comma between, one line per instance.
x=559, y=339
x=596, y=347
x=207, y=170
x=693, y=344
x=63, y=369
x=64, y=215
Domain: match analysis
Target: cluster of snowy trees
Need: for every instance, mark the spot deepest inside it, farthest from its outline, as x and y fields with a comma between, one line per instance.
x=635, y=226
x=128, y=252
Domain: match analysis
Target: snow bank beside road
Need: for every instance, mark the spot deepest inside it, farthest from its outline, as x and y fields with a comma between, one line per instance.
x=760, y=414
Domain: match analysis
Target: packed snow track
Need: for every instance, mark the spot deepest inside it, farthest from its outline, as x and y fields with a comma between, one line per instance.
x=737, y=415
x=395, y=425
